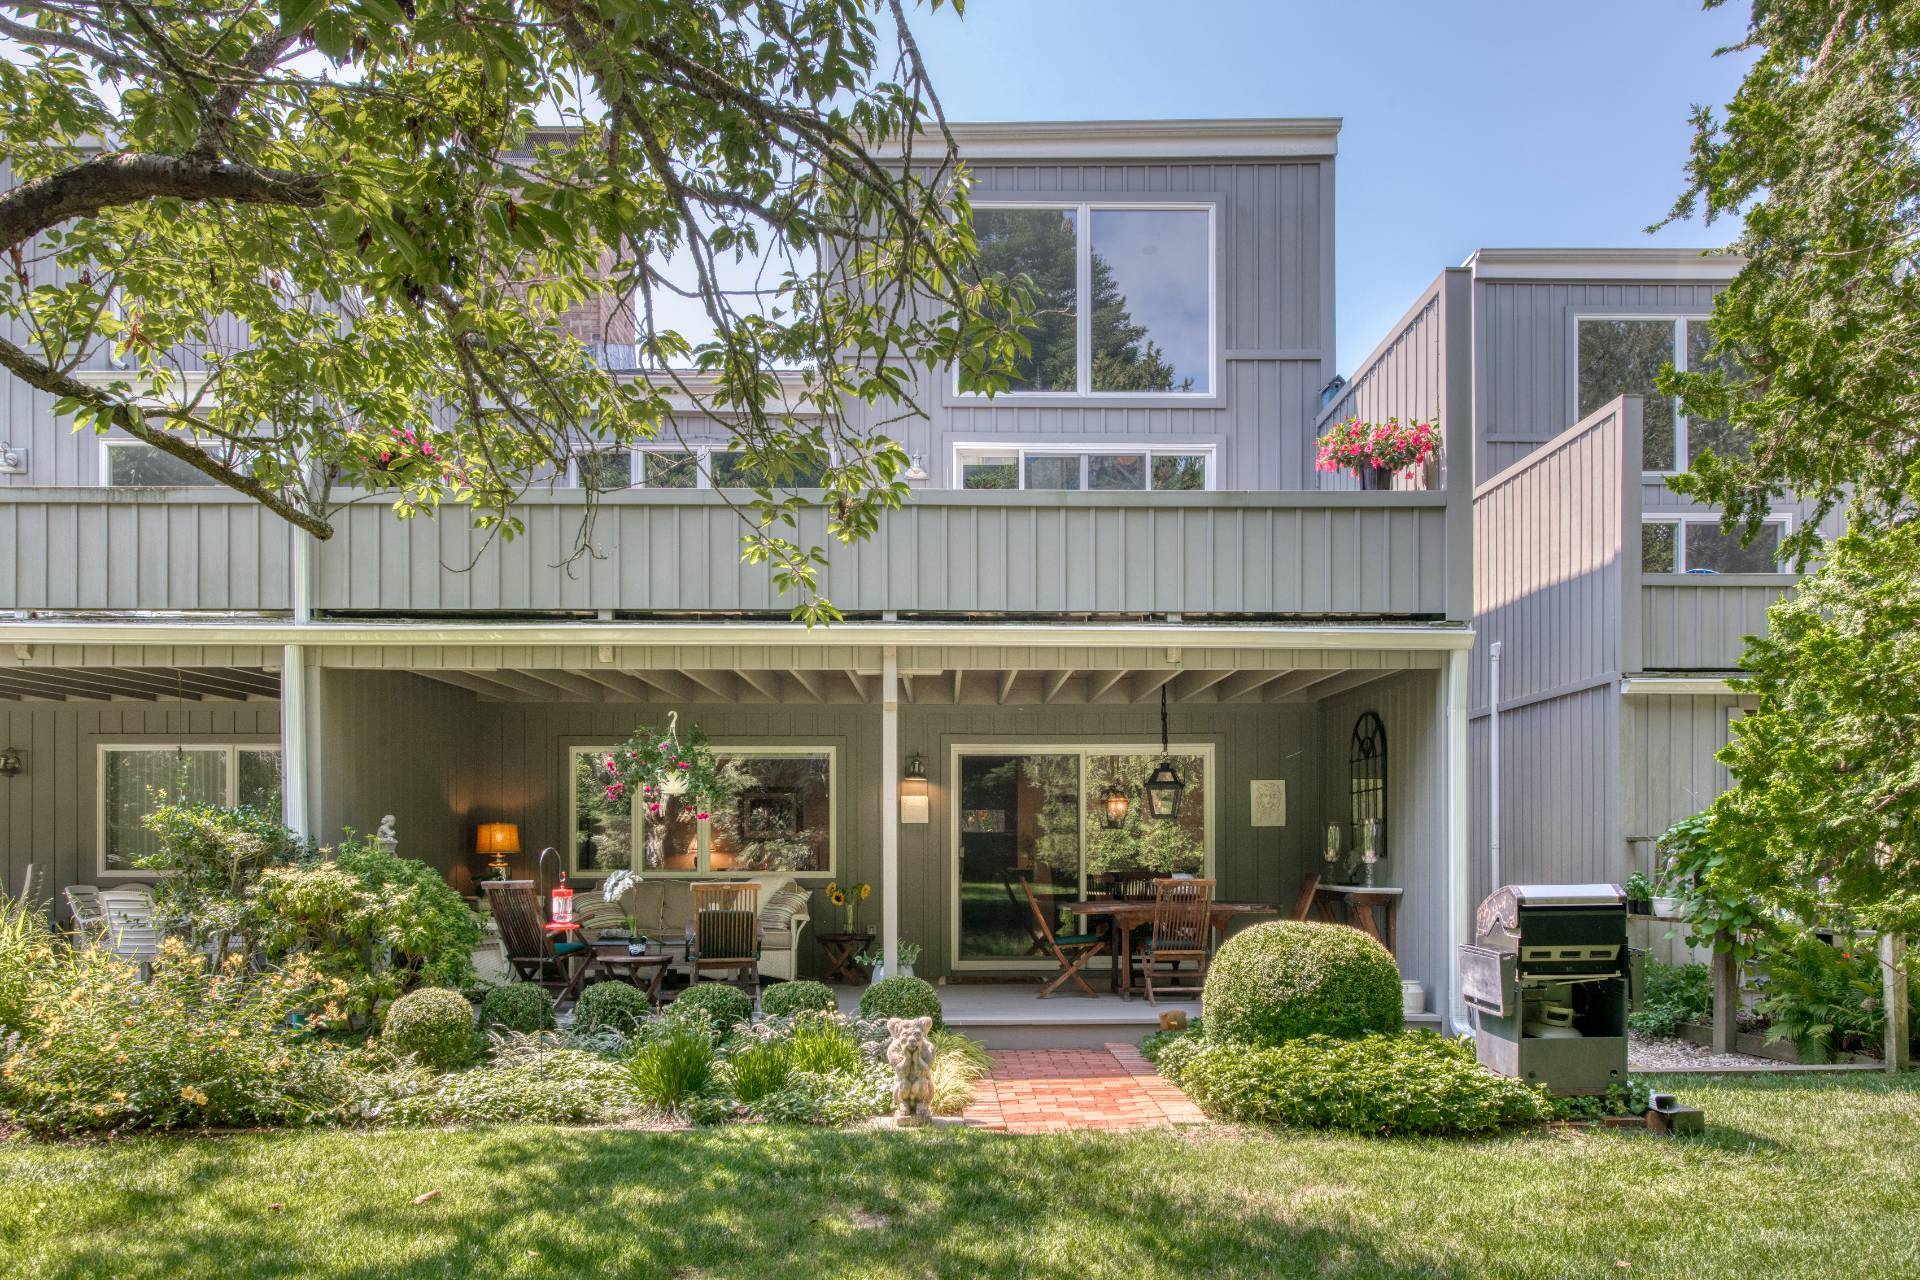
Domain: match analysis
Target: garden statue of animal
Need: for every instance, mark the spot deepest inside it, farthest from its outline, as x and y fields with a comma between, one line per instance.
x=910, y=1050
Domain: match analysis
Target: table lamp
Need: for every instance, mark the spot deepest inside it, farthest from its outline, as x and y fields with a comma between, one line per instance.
x=497, y=840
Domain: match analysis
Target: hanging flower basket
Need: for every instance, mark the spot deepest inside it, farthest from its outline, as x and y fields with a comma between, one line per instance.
x=658, y=765
x=1377, y=451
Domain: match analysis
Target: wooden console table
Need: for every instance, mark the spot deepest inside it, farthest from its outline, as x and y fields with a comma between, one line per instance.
x=1356, y=904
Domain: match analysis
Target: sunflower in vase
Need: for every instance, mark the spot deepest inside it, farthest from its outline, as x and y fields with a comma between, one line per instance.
x=849, y=898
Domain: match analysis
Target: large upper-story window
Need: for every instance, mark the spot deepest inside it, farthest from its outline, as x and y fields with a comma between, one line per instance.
x=1696, y=544
x=1124, y=295
x=608, y=469
x=1082, y=468
x=1624, y=356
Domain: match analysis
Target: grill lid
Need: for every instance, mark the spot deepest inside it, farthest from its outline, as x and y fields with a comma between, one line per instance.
x=1501, y=910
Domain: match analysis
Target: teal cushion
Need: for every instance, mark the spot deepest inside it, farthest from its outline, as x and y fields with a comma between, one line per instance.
x=568, y=948
x=1076, y=939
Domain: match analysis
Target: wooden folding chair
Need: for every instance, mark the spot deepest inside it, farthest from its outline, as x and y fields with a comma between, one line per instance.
x=1303, y=904
x=1071, y=950
x=1036, y=938
x=530, y=949
x=1182, y=930
x=726, y=932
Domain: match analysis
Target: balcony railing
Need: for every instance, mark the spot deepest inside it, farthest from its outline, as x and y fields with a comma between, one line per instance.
x=1699, y=622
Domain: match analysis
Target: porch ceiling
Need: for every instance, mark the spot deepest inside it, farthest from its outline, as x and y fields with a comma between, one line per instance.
x=925, y=686
x=137, y=684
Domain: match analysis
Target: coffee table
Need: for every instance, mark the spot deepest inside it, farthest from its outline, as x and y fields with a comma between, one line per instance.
x=644, y=971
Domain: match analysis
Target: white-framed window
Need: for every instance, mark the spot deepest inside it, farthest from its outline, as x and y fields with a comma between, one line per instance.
x=130, y=464
x=1623, y=355
x=779, y=813
x=1101, y=468
x=1696, y=544
x=1125, y=301
x=613, y=467
x=133, y=777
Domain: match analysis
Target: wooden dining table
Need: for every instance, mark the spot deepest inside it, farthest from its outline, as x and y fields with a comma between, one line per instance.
x=1129, y=914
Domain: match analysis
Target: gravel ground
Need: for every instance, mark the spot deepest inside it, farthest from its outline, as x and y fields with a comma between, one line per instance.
x=1684, y=1055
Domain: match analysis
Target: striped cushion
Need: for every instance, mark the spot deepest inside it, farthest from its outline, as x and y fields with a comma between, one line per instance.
x=784, y=905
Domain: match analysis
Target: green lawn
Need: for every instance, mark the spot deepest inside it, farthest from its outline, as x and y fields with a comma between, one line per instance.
x=1816, y=1176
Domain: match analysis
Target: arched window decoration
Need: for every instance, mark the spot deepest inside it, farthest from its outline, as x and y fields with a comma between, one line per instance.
x=1367, y=777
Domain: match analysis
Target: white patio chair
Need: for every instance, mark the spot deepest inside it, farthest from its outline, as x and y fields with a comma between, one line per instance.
x=130, y=932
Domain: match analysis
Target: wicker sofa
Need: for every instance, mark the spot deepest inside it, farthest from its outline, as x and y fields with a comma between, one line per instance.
x=663, y=908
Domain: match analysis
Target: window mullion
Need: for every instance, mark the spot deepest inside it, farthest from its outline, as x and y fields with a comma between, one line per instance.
x=1083, y=289
x=1680, y=340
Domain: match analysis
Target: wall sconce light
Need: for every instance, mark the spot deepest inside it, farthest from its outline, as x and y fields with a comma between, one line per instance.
x=913, y=791
x=13, y=762
x=1116, y=803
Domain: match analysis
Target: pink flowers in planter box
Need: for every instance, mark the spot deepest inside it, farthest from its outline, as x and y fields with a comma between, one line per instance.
x=1370, y=448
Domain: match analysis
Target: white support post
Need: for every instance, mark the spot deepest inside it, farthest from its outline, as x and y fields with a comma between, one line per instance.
x=293, y=737
x=1453, y=705
x=890, y=810
x=1897, y=1051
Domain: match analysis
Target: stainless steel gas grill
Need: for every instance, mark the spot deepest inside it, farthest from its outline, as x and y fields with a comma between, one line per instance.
x=1550, y=979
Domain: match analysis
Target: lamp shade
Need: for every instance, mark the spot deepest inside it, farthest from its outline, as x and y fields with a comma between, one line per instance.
x=498, y=838
x=1116, y=803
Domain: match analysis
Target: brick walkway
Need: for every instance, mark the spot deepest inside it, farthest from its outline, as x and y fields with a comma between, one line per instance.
x=1056, y=1090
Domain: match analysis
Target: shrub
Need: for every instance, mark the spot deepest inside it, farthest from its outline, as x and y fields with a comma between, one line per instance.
x=611, y=1006
x=550, y=1086
x=725, y=1006
x=519, y=1006
x=190, y=1048
x=1675, y=993
x=1283, y=980
x=1154, y=1042
x=832, y=1098
x=784, y=999
x=901, y=998
x=957, y=1064
x=824, y=1045
x=761, y=1069
x=674, y=1067
x=1380, y=1084
x=433, y=1025
x=1826, y=999
x=27, y=954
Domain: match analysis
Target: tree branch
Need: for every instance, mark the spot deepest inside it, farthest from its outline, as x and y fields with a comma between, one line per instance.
x=108, y=181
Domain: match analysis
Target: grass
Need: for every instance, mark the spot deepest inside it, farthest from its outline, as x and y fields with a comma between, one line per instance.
x=1809, y=1176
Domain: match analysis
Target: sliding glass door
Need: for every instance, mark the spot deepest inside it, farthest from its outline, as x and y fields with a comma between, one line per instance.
x=1038, y=819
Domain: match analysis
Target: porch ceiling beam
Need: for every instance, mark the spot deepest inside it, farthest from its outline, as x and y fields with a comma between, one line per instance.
x=764, y=683
x=622, y=685
x=17, y=691
x=161, y=683
x=1341, y=682
x=809, y=682
x=906, y=686
x=859, y=684
x=482, y=685
x=1007, y=678
x=717, y=683
x=1242, y=683
x=111, y=685
x=1148, y=683
x=676, y=688
x=959, y=680
x=1055, y=683
x=1099, y=685
x=526, y=682
x=56, y=689
x=1196, y=682
x=1289, y=684
x=238, y=679
x=591, y=690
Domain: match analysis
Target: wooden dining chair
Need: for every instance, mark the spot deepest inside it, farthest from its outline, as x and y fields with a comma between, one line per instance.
x=1303, y=902
x=1071, y=950
x=726, y=931
x=1133, y=884
x=529, y=947
x=1182, y=929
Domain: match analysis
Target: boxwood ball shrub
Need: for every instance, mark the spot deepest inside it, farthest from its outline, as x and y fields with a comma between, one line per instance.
x=433, y=1024
x=611, y=1006
x=520, y=1006
x=901, y=998
x=1284, y=980
x=726, y=1006
x=784, y=999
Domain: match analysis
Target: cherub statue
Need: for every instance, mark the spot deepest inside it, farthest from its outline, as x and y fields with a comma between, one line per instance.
x=385, y=834
x=910, y=1050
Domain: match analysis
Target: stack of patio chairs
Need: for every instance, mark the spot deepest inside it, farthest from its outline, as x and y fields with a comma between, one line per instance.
x=726, y=932
x=530, y=949
x=116, y=920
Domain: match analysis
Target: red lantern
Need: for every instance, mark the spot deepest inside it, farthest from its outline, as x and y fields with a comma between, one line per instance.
x=562, y=902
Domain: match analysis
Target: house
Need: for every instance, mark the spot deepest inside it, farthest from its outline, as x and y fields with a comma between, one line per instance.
x=1132, y=542
x=1609, y=612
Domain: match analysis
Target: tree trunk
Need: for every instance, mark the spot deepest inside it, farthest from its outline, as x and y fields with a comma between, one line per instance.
x=1726, y=1000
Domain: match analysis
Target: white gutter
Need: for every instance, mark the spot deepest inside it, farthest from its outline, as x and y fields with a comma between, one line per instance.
x=1430, y=638
x=1493, y=766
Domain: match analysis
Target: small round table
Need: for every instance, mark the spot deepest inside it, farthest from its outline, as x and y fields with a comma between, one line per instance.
x=623, y=965
x=841, y=949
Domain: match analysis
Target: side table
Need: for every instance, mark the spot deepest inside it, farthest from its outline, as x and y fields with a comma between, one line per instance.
x=841, y=948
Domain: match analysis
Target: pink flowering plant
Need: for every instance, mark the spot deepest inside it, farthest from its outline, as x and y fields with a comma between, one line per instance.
x=656, y=765
x=1392, y=445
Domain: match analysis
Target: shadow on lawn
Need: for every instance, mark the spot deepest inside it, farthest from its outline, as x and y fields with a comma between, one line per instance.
x=766, y=1203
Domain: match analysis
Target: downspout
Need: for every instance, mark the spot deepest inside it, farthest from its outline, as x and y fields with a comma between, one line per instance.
x=1493, y=766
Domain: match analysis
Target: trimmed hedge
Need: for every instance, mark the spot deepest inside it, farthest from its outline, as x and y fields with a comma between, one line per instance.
x=433, y=1024
x=726, y=1006
x=1283, y=980
x=784, y=999
x=901, y=998
x=520, y=1006
x=1411, y=1083
x=611, y=1006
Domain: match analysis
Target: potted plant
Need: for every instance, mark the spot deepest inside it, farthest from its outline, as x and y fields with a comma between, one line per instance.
x=875, y=959
x=614, y=890
x=1377, y=451
x=1639, y=892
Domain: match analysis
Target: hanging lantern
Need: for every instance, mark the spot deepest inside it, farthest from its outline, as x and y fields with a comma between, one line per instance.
x=562, y=912
x=1163, y=789
x=1117, y=804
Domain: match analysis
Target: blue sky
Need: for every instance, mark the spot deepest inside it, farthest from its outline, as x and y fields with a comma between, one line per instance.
x=1567, y=122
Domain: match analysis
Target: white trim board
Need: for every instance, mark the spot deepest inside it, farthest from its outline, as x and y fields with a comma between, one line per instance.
x=1306, y=137
x=1636, y=263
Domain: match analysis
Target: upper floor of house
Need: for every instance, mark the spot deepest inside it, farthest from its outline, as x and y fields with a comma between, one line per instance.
x=1154, y=456
x=1543, y=341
